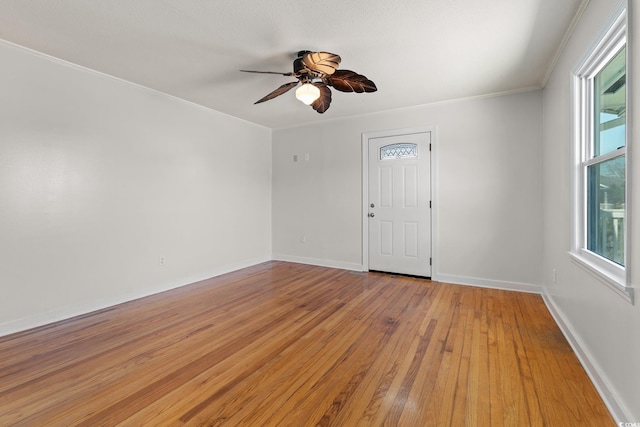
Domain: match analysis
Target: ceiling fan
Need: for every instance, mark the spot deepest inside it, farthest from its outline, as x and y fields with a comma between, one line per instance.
x=316, y=71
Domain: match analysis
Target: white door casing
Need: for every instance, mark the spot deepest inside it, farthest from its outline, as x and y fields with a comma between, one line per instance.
x=398, y=204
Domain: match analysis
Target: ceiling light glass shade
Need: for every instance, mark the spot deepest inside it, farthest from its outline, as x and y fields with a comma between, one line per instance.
x=307, y=93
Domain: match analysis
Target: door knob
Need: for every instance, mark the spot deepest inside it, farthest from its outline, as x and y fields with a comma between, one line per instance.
x=371, y=215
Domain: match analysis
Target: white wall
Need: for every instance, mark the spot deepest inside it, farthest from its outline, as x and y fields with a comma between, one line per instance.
x=488, y=154
x=605, y=329
x=100, y=179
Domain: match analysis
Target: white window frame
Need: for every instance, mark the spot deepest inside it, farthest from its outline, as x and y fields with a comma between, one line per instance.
x=610, y=273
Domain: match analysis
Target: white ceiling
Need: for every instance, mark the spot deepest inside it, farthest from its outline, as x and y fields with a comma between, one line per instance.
x=416, y=51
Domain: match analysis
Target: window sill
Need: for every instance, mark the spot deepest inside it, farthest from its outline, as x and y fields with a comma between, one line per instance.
x=615, y=283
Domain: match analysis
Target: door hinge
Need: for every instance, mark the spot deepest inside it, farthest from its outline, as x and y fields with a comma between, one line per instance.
x=429, y=146
x=429, y=204
x=430, y=261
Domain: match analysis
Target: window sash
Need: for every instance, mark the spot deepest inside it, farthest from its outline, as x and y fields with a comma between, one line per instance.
x=606, y=225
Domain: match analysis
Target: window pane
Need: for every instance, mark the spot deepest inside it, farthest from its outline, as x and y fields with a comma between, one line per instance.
x=610, y=99
x=398, y=151
x=606, y=209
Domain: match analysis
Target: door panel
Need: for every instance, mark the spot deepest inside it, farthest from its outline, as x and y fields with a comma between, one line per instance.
x=386, y=187
x=399, y=199
x=411, y=239
x=386, y=238
x=411, y=186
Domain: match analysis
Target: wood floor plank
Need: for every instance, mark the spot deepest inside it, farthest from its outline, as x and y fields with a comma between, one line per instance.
x=297, y=345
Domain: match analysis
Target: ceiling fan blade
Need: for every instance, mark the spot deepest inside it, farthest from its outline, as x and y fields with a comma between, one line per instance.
x=350, y=81
x=322, y=104
x=267, y=72
x=322, y=62
x=282, y=89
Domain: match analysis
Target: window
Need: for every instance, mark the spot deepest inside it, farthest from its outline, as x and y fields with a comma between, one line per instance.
x=398, y=151
x=600, y=147
x=605, y=162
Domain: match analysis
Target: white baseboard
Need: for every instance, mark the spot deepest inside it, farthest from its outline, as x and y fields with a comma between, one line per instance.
x=319, y=262
x=616, y=410
x=63, y=313
x=486, y=283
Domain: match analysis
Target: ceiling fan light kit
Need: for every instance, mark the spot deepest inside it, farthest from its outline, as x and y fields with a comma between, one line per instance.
x=307, y=93
x=317, y=71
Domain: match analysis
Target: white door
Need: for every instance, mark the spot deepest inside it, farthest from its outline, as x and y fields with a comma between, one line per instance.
x=399, y=212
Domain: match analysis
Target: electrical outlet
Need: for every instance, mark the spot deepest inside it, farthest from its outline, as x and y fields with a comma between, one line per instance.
x=295, y=157
x=303, y=239
x=555, y=276
x=162, y=261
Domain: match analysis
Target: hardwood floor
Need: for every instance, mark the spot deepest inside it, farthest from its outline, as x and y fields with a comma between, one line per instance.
x=297, y=345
